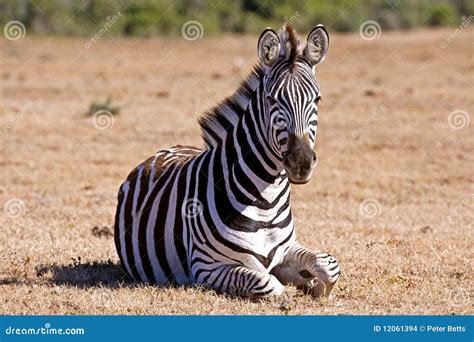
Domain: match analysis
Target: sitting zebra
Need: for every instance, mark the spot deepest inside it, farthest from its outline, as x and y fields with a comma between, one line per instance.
x=220, y=216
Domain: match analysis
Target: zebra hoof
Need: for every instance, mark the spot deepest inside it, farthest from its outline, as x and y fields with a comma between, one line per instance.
x=317, y=289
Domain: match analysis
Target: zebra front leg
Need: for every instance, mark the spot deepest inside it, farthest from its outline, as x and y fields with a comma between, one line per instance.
x=241, y=281
x=314, y=273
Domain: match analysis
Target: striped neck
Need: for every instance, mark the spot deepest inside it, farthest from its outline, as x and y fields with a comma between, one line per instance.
x=236, y=131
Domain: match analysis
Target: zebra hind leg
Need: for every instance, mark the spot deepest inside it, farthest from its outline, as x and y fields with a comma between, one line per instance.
x=314, y=273
x=242, y=281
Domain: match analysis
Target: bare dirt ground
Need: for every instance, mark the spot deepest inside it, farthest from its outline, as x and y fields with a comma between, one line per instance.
x=392, y=197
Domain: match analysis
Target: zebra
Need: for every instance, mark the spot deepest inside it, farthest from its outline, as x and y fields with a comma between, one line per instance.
x=220, y=216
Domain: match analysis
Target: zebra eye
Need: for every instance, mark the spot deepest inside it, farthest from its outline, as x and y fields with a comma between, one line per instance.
x=279, y=123
x=317, y=100
x=271, y=100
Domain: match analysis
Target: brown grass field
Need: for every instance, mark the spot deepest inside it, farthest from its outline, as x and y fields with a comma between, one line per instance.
x=386, y=138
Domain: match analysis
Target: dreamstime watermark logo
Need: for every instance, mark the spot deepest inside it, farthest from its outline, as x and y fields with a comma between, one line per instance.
x=14, y=208
x=465, y=21
x=14, y=30
x=11, y=123
x=192, y=208
x=455, y=211
x=189, y=122
x=381, y=108
x=370, y=208
x=200, y=108
x=458, y=119
x=192, y=30
x=109, y=201
x=370, y=30
x=103, y=119
x=108, y=24
x=459, y=297
x=46, y=330
x=292, y=19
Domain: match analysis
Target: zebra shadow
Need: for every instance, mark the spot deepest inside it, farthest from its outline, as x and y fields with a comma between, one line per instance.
x=85, y=274
x=96, y=274
x=99, y=274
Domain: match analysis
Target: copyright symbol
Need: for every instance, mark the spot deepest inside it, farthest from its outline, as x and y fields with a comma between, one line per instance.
x=422, y=328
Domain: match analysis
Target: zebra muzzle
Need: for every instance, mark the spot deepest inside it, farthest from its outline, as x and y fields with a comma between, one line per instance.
x=299, y=160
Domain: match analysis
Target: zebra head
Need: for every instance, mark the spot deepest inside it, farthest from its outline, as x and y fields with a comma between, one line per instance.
x=291, y=95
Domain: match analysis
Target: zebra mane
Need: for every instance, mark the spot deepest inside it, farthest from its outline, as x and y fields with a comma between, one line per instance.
x=216, y=122
x=290, y=43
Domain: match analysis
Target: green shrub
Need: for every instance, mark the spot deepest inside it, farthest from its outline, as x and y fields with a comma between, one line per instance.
x=440, y=15
x=166, y=17
x=105, y=105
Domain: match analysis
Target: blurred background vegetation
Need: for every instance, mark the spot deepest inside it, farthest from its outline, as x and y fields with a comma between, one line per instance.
x=145, y=18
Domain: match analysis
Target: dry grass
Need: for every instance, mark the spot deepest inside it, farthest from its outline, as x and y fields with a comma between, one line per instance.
x=414, y=257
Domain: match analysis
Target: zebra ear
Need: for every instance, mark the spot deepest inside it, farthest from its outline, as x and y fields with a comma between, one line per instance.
x=268, y=47
x=317, y=45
